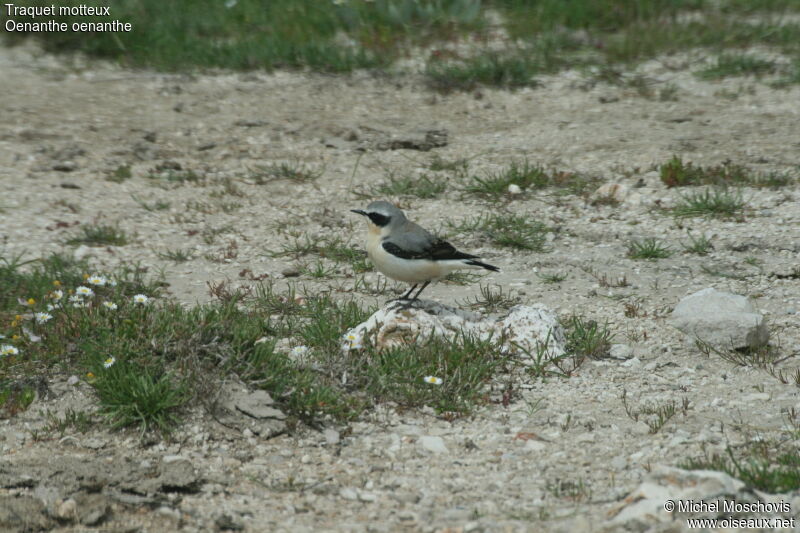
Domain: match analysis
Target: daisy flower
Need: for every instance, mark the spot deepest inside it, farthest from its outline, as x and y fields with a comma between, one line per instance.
x=96, y=280
x=84, y=291
x=57, y=294
x=299, y=351
x=41, y=318
x=7, y=349
x=109, y=362
x=352, y=342
x=433, y=380
x=110, y=305
x=140, y=299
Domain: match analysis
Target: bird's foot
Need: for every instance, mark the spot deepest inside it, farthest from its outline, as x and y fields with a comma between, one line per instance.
x=402, y=304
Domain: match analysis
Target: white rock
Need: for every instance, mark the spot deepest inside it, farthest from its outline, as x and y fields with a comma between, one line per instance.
x=514, y=189
x=349, y=494
x=81, y=252
x=524, y=328
x=331, y=436
x=720, y=319
x=432, y=444
x=535, y=445
x=614, y=191
x=620, y=351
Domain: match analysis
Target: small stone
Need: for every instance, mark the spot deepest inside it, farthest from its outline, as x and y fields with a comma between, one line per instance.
x=331, y=436
x=620, y=351
x=73, y=380
x=290, y=272
x=514, y=189
x=640, y=428
x=367, y=496
x=67, y=509
x=432, y=444
x=247, y=433
x=65, y=166
x=349, y=494
x=632, y=363
x=535, y=445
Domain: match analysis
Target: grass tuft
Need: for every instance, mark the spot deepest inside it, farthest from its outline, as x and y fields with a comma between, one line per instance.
x=421, y=187
x=495, y=184
x=648, y=248
x=710, y=203
x=491, y=69
x=728, y=65
x=513, y=231
x=100, y=235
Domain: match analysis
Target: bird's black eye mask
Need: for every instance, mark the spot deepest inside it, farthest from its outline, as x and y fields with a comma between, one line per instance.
x=378, y=219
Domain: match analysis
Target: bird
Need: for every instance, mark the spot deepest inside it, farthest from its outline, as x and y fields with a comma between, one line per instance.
x=404, y=251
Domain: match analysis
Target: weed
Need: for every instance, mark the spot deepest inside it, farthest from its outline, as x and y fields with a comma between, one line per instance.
x=514, y=231
x=421, y=187
x=319, y=270
x=648, y=248
x=495, y=185
x=296, y=172
x=507, y=70
x=556, y=277
x=100, y=235
x=708, y=203
x=491, y=299
x=120, y=174
x=604, y=280
x=677, y=173
x=655, y=415
x=761, y=465
x=587, y=338
x=698, y=245
x=178, y=255
x=736, y=65
x=158, y=205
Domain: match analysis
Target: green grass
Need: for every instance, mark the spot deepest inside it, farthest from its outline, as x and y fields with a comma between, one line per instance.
x=547, y=35
x=728, y=65
x=655, y=415
x=167, y=356
x=424, y=187
x=120, y=174
x=648, y=248
x=100, y=235
x=494, y=185
x=700, y=245
x=502, y=70
x=333, y=248
x=507, y=230
x=717, y=202
x=761, y=465
x=178, y=255
x=677, y=173
x=296, y=172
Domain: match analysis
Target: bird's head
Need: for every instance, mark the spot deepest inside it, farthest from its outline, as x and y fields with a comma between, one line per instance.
x=382, y=214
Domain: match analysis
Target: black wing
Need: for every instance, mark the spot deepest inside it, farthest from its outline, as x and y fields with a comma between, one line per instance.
x=439, y=250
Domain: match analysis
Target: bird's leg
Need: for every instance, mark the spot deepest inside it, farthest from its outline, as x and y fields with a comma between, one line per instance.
x=405, y=296
x=416, y=296
x=410, y=303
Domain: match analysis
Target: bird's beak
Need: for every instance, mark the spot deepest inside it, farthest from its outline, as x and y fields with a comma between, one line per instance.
x=359, y=211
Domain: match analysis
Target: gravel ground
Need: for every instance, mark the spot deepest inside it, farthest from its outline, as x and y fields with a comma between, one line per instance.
x=563, y=455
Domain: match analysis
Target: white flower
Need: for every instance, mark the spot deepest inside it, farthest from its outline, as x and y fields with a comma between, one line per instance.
x=433, y=380
x=57, y=295
x=84, y=291
x=299, y=351
x=352, y=342
x=96, y=280
x=108, y=362
x=41, y=318
x=110, y=305
x=140, y=299
x=51, y=307
x=7, y=349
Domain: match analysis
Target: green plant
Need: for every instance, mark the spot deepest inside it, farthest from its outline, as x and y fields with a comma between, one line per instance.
x=648, y=248
x=507, y=70
x=736, y=65
x=709, y=203
x=421, y=187
x=522, y=174
x=100, y=235
x=513, y=231
x=120, y=174
x=698, y=245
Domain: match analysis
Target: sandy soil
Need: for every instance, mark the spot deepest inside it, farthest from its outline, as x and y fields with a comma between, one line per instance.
x=89, y=119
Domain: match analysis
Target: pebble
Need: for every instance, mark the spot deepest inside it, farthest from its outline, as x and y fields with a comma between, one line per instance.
x=433, y=444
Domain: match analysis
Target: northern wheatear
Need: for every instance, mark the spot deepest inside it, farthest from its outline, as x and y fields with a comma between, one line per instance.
x=406, y=252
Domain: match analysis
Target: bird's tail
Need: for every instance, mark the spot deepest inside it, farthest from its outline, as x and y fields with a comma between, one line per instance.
x=478, y=264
